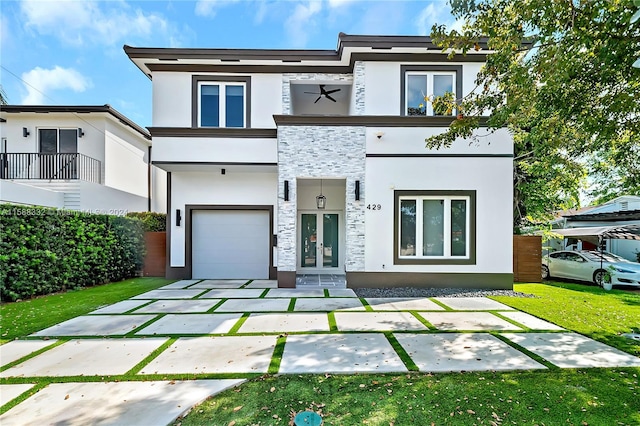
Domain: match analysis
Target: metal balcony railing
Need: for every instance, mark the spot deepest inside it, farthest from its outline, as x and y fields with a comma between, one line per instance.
x=50, y=167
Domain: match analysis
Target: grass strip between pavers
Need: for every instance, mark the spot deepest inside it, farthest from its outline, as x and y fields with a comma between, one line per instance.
x=132, y=333
x=33, y=354
x=525, y=351
x=424, y=322
x=276, y=358
x=238, y=324
x=292, y=304
x=326, y=292
x=442, y=305
x=402, y=353
x=366, y=305
x=197, y=296
x=333, y=325
x=246, y=284
x=153, y=355
x=510, y=321
x=23, y=396
x=133, y=309
x=264, y=293
x=216, y=306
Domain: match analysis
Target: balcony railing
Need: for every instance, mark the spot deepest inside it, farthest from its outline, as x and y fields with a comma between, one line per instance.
x=50, y=167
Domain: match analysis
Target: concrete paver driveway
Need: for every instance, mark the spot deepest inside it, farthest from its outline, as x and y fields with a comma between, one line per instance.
x=218, y=328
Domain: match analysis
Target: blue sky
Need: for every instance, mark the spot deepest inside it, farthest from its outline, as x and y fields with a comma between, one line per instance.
x=56, y=52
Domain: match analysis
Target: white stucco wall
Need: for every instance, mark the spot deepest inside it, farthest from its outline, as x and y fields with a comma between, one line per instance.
x=126, y=160
x=383, y=79
x=491, y=177
x=172, y=98
x=95, y=198
x=217, y=150
x=21, y=193
x=214, y=188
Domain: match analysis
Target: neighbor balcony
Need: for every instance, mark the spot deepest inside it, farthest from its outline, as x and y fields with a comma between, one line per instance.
x=60, y=166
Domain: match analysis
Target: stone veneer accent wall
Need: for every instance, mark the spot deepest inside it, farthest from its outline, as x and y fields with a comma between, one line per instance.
x=313, y=152
x=358, y=87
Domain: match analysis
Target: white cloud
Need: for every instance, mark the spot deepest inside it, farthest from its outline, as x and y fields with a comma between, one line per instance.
x=435, y=13
x=301, y=22
x=90, y=22
x=338, y=3
x=39, y=82
x=208, y=8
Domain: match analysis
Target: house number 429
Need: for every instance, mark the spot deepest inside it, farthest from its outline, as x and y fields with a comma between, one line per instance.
x=374, y=207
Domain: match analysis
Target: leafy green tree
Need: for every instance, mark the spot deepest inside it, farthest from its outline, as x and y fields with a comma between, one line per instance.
x=562, y=80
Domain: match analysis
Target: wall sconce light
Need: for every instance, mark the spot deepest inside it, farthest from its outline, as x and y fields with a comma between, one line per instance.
x=80, y=132
x=223, y=171
x=178, y=217
x=25, y=132
x=286, y=190
x=357, y=190
x=321, y=200
x=379, y=135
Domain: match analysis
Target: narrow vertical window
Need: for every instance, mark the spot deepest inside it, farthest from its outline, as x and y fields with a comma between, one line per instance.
x=407, y=228
x=433, y=227
x=210, y=106
x=458, y=227
x=234, y=107
x=416, y=93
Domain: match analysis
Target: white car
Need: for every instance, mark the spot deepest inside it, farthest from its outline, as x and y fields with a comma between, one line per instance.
x=591, y=266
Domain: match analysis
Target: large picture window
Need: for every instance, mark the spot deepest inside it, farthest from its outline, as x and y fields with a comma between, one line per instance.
x=221, y=101
x=435, y=227
x=421, y=84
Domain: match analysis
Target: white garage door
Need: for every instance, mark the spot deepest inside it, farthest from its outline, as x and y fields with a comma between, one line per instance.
x=230, y=244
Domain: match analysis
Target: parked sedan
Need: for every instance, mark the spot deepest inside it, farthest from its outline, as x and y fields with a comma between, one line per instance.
x=591, y=266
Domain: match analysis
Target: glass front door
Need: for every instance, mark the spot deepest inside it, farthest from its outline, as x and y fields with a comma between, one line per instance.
x=319, y=240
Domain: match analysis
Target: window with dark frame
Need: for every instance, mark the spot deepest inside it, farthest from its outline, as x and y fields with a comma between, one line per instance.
x=221, y=101
x=434, y=227
x=422, y=84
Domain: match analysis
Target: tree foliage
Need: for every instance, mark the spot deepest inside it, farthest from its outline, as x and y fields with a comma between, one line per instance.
x=561, y=79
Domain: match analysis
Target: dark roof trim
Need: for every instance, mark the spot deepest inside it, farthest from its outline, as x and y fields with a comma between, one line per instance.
x=614, y=216
x=366, y=120
x=438, y=155
x=297, y=56
x=77, y=109
x=203, y=132
x=211, y=163
x=344, y=40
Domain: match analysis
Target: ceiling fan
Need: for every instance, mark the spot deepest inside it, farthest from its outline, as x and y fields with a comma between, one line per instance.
x=324, y=93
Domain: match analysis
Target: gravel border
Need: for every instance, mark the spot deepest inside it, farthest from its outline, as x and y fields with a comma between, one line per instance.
x=435, y=292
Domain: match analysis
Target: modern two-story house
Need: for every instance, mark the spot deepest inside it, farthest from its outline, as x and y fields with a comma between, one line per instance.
x=85, y=158
x=289, y=162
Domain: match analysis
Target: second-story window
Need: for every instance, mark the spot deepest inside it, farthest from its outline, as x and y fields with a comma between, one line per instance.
x=222, y=104
x=422, y=84
x=423, y=87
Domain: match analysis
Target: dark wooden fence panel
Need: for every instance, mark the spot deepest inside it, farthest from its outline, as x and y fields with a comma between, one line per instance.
x=527, y=257
x=155, y=259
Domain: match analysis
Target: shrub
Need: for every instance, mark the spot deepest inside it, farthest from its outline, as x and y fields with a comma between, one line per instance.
x=45, y=251
x=152, y=222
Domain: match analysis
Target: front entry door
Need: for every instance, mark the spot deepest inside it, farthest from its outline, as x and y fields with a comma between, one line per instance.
x=319, y=241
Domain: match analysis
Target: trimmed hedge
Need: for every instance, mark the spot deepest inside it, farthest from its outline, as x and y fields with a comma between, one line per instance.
x=152, y=222
x=44, y=251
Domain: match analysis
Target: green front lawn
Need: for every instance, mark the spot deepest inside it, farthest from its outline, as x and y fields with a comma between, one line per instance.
x=19, y=319
x=596, y=396
x=589, y=310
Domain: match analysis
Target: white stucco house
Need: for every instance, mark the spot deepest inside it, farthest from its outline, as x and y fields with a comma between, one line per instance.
x=289, y=162
x=84, y=158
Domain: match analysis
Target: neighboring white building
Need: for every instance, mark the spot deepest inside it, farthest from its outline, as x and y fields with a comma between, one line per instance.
x=620, y=211
x=251, y=138
x=86, y=158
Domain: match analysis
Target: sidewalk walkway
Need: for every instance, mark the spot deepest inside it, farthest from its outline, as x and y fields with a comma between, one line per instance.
x=224, y=331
